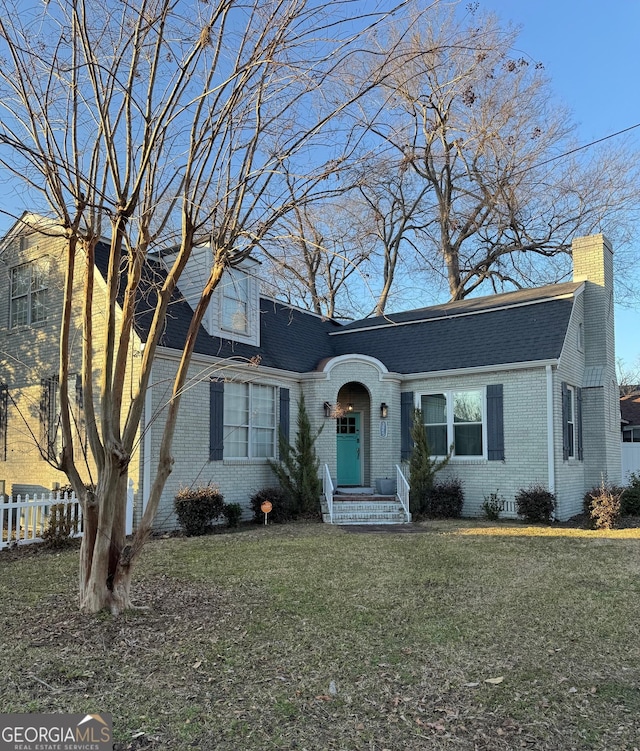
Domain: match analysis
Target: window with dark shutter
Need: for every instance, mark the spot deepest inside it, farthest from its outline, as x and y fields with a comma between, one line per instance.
x=571, y=419
x=49, y=418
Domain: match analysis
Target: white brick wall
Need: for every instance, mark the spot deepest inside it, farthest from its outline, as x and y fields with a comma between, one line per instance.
x=237, y=479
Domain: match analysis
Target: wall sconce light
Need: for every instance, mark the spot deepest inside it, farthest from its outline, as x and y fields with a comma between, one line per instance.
x=349, y=407
x=327, y=409
x=384, y=411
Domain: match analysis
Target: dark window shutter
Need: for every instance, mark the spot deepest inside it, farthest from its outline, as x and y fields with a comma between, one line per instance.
x=48, y=417
x=565, y=421
x=284, y=414
x=216, y=420
x=495, y=423
x=4, y=402
x=579, y=422
x=406, y=419
x=81, y=423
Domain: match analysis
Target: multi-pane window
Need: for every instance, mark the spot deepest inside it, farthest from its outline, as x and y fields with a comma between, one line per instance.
x=434, y=414
x=454, y=418
x=29, y=293
x=467, y=423
x=50, y=417
x=249, y=421
x=631, y=435
x=235, y=302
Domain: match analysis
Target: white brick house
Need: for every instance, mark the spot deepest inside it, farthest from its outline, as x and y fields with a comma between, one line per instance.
x=521, y=384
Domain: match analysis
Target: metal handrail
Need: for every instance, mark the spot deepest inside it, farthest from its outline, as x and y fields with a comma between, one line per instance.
x=402, y=489
x=327, y=490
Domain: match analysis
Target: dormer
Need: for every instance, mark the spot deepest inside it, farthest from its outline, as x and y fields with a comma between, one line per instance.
x=234, y=311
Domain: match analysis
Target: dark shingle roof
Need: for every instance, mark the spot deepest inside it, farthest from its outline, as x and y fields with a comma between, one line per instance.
x=290, y=339
x=523, y=326
x=630, y=408
x=469, y=305
x=494, y=337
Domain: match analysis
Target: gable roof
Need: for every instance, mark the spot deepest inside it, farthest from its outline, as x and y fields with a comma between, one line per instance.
x=523, y=326
x=496, y=337
x=290, y=339
x=469, y=306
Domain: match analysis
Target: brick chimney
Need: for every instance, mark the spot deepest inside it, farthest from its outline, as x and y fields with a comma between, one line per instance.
x=593, y=265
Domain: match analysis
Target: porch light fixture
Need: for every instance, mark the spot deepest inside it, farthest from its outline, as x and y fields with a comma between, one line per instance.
x=384, y=411
x=327, y=409
x=349, y=407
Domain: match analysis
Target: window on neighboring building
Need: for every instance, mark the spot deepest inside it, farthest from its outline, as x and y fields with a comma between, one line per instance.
x=4, y=403
x=249, y=421
x=235, y=302
x=631, y=435
x=454, y=418
x=50, y=418
x=29, y=293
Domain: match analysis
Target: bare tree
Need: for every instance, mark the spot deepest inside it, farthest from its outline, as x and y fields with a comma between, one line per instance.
x=628, y=377
x=479, y=129
x=319, y=249
x=156, y=124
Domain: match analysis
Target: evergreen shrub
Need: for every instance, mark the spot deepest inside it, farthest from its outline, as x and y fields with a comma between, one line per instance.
x=198, y=508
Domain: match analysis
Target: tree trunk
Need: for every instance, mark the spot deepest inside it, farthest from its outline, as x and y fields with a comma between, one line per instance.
x=105, y=557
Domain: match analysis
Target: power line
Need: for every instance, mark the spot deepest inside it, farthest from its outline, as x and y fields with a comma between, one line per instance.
x=581, y=148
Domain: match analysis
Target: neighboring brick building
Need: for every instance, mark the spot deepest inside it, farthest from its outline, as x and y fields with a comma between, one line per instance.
x=522, y=385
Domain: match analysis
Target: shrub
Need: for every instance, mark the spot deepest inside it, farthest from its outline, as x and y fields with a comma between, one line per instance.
x=232, y=513
x=444, y=500
x=536, y=504
x=297, y=470
x=283, y=509
x=422, y=468
x=198, y=508
x=63, y=522
x=493, y=506
x=602, y=505
x=630, y=501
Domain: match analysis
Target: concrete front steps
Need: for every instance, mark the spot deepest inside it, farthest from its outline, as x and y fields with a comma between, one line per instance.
x=362, y=506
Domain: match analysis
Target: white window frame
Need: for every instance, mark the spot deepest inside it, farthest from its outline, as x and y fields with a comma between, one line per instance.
x=250, y=426
x=237, y=299
x=571, y=421
x=633, y=432
x=30, y=294
x=228, y=294
x=449, y=395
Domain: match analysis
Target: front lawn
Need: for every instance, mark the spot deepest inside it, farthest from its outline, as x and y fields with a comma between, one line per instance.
x=464, y=635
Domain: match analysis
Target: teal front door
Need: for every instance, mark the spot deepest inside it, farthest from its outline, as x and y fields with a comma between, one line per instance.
x=348, y=450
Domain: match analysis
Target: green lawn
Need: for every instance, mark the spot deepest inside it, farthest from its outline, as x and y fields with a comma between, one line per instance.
x=310, y=637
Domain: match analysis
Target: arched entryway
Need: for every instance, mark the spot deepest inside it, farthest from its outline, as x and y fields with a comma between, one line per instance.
x=353, y=428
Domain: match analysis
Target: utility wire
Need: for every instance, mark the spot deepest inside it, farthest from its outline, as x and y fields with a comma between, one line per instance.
x=579, y=148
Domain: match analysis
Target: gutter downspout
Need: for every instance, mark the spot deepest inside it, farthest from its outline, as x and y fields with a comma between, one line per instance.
x=551, y=465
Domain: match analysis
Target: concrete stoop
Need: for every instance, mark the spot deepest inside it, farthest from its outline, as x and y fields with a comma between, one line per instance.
x=360, y=508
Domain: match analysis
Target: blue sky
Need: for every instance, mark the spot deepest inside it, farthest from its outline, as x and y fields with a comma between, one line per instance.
x=591, y=53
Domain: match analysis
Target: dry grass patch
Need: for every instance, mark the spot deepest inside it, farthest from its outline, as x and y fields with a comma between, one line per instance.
x=306, y=637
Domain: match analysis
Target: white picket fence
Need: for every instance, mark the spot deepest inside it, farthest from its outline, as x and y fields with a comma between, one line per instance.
x=26, y=519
